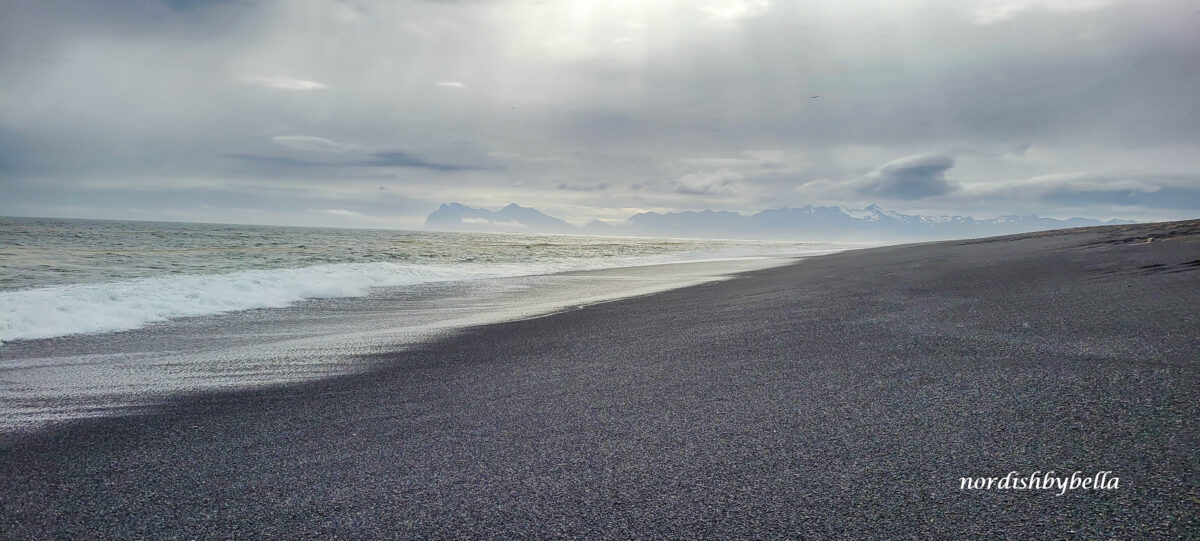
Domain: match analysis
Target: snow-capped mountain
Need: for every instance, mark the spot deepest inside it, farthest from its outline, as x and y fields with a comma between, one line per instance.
x=817, y=223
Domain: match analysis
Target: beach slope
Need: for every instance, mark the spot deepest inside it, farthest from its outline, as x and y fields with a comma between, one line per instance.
x=842, y=396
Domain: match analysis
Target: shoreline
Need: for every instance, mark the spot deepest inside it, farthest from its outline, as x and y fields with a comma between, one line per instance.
x=49, y=381
x=843, y=395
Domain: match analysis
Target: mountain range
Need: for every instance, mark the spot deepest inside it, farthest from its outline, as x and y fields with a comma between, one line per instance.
x=512, y=218
x=814, y=223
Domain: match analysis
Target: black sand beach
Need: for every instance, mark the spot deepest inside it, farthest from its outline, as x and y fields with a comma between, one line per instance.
x=840, y=397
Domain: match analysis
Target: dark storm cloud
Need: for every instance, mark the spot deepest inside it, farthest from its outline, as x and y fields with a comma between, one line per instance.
x=910, y=178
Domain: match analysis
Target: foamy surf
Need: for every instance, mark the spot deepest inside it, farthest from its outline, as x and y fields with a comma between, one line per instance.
x=102, y=318
x=88, y=375
x=56, y=311
x=115, y=306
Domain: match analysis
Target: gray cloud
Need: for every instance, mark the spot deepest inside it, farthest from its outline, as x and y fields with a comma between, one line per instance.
x=283, y=82
x=277, y=160
x=909, y=178
x=186, y=5
x=676, y=106
x=1115, y=190
x=710, y=183
x=1164, y=198
x=401, y=159
x=374, y=159
x=582, y=187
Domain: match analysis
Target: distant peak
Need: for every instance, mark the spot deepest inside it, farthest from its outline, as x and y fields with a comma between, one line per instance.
x=821, y=222
x=456, y=217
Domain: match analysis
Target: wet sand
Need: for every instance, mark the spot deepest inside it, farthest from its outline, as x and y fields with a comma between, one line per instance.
x=842, y=396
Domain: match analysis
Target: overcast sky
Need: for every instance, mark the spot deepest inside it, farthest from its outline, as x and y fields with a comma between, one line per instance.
x=371, y=113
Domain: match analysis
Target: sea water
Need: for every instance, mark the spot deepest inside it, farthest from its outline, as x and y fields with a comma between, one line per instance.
x=105, y=317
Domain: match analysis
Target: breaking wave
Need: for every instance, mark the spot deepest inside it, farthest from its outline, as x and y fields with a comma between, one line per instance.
x=53, y=311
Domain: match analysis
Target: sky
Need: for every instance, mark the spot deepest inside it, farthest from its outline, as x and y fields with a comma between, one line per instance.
x=363, y=113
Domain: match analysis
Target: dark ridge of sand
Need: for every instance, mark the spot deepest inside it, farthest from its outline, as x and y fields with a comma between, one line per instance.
x=841, y=397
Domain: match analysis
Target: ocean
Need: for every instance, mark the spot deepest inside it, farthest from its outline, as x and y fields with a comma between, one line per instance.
x=108, y=317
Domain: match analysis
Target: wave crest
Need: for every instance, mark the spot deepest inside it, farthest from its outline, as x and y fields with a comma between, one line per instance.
x=49, y=312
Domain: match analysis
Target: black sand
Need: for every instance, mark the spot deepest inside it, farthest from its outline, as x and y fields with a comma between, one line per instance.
x=840, y=397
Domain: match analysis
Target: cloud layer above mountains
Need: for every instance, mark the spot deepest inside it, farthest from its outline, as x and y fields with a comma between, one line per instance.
x=284, y=111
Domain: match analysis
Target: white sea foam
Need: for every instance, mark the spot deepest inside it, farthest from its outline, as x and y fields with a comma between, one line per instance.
x=55, y=311
x=106, y=307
